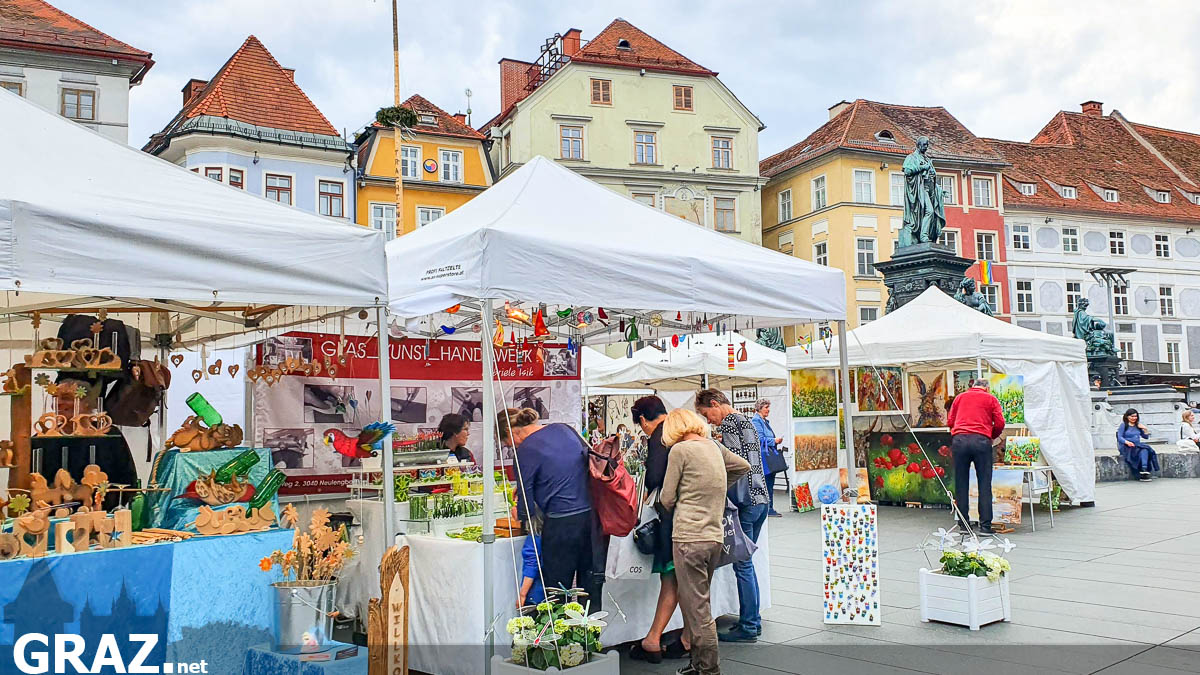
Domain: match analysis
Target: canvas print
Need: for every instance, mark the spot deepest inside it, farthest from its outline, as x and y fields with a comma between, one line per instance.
x=879, y=390
x=468, y=402
x=899, y=471
x=1010, y=389
x=962, y=380
x=1022, y=450
x=863, y=486
x=814, y=392
x=537, y=398
x=815, y=443
x=927, y=399
x=409, y=405
x=804, y=498
x=1006, y=497
x=560, y=362
x=277, y=349
x=850, y=547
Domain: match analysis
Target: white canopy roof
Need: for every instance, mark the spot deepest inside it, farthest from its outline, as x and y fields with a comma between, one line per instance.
x=546, y=234
x=680, y=368
x=82, y=215
x=591, y=359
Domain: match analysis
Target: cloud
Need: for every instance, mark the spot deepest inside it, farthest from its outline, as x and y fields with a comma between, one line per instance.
x=1003, y=68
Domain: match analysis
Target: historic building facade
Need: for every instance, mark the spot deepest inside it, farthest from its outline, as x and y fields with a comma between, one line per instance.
x=252, y=128
x=1099, y=191
x=837, y=198
x=66, y=66
x=636, y=116
x=444, y=162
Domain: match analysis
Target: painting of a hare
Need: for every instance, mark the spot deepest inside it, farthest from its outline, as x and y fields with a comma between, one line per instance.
x=927, y=398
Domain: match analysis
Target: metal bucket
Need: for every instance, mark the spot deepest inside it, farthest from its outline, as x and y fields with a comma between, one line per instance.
x=303, y=615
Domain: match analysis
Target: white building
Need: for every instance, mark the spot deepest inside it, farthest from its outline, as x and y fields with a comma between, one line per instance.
x=66, y=66
x=1092, y=191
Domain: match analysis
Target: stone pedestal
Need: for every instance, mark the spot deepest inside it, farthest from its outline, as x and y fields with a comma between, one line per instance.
x=1107, y=368
x=914, y=268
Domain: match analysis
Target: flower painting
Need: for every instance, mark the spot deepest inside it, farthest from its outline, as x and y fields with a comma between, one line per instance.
x=814, y=392
x=906, y=467
x=879, y=390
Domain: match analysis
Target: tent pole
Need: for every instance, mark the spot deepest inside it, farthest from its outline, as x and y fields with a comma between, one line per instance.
x=847, y=416
x=979, y=367
x=488, y=458
x=385, y=415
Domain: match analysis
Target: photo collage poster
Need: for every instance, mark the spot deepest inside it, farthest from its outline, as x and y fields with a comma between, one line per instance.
x=430, y=378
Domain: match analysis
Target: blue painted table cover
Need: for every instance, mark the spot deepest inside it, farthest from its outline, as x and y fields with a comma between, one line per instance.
x=175, y=470
x=260, y=660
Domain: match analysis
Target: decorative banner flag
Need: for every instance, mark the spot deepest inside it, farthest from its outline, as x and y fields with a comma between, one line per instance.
x=985, y=272
x=850, y=548
x=732, y=361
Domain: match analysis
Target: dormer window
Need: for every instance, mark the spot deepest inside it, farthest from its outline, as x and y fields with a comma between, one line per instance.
x=885, y=136
x=1111, y=195
x=624, y=44
x=1194, y=197
x=1162, y=196
x=1028, y=189
x=426, y=118
x=1067, y=192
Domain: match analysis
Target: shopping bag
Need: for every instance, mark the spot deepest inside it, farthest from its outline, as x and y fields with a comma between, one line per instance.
x=625, y=561
x=736, y=546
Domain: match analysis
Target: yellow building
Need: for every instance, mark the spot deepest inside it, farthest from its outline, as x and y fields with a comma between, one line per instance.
x=444, y=162
x=836, y=197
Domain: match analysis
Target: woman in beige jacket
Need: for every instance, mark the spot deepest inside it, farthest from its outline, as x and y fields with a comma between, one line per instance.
x=698, y=473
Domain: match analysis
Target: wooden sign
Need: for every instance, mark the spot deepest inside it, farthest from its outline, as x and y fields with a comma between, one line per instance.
x=387, y=617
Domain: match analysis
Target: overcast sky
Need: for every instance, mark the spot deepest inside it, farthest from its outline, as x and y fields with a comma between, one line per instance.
x=1002, y=68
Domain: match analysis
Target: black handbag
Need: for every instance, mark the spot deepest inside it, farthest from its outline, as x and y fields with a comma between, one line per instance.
x=775, y=462
x=645, y=536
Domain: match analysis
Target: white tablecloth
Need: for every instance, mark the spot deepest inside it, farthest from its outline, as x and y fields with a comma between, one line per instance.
x=446, y=623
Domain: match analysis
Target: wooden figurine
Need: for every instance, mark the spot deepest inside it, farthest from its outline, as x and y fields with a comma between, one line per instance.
x=233, y=520
x=10, y=546
x=122, y=532
x=50, y=424
x=387, y=616
x=8, y=454
x=33, y=533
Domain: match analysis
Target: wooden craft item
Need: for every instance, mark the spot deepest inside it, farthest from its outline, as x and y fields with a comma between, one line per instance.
x=10, y=385
x=291, y=363
x=85, y=352
x=8, y=454
x=176, y=359
x=33, y=533
x=156, y=535
x=96, y=424
x=218, y=494
x=253, y=374
x=93, y=476
x=387, y=616
x=192, y=436
x=233, y=369
x=64, y=541
x=69, y=490
x=40, y=491
x=10, y=546
x=197, y=374
x=233, y=520
x=215, y=368
x=104, y=359
x=50, y=424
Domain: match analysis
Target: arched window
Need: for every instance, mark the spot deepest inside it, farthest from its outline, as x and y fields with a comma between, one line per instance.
x=623, y=44
x=885, y=136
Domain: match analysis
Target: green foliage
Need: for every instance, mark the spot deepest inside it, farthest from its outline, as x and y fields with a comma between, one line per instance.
x=396, y=116
x=981, y=564
x=814, y=402
x=1012, y=402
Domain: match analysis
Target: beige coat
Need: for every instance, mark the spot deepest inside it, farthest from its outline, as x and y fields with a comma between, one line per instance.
x=698, y=474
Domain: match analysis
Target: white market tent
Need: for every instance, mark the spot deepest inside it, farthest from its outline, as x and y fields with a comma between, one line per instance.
x=697, y=359
x=547, y=235
x=934, y=330
x=592, y=359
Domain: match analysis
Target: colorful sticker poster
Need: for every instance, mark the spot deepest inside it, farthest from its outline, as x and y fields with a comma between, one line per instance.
x=879, y=390
x=900, y=472
x=804, y=498
x=814, y=392
x=1022, y=450
x=850, y=553
x=927, y=399
x=962, y=380
x=1010, y=389
x=1006, y=497
x=863, y=486
x=815, y=443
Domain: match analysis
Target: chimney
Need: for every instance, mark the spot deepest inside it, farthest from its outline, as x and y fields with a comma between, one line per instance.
x=1092, y=108
x=461, y=117
x=192, y=88
x=512, y=81
x=291, y=73
x=570, y=41
x=837, y=108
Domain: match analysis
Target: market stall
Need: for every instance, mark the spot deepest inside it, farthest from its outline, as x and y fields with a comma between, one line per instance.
x=908, y=364
x=586, y=274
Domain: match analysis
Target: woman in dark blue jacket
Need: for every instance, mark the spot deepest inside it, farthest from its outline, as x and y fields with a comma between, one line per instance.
x=1131, y=443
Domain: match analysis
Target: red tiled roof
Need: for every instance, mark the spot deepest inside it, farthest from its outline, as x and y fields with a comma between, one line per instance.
x=1178, y=147
x=643, y=51
x=446, y=124
x=34, y=24
x=859, y=127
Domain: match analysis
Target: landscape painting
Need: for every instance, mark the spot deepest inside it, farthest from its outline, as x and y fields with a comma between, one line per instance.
x=1010, y=389
x=1006, y=497
x=962, y=380
x=815, y=443
x=814, y=392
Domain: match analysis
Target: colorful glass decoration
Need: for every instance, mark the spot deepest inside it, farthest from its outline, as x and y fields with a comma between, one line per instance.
x=632, y=334
x=454, y=309
x=540, y=332
x=497, y=336
x=516, y=314
x=732, y=362
x=742, y=354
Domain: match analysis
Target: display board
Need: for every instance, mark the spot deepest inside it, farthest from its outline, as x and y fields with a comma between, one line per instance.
x=430, y=378
x=850, y=554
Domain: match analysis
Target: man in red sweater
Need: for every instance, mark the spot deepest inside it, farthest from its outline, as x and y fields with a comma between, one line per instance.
x=975, y=421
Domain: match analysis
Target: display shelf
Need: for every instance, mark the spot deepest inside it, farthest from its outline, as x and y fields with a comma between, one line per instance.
x=69, y=437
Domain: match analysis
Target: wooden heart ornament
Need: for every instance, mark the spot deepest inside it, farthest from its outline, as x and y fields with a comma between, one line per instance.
x=50, y=424
x=291, y=363
x=233, y=369
x=196, y=375
x=176, y=359
x=215, y=368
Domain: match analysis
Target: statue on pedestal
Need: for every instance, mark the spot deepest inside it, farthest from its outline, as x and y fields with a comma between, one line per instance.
x=1092, y=331
x=924, y=212
x=972, y=298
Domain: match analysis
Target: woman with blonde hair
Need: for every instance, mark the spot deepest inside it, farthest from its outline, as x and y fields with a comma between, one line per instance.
x=699, y=472
x=1189, y=437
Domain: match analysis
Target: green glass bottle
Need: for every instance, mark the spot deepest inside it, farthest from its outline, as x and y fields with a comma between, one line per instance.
x=266, y=490
x=203, y=409
x=238, y=466
x=137, y=510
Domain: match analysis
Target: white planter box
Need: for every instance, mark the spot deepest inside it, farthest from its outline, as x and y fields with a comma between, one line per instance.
x=967, y=601
x=601, y=664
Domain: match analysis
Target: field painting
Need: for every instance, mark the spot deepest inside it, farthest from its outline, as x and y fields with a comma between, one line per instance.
x=814, y=392
x=1010, y=389
x=815, y=443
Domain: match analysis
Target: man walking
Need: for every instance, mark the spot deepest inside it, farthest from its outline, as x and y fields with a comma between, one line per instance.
x=975, y=421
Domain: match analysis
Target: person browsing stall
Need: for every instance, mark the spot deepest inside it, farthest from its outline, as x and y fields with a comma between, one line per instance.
x=975, y=420
x=456, y=431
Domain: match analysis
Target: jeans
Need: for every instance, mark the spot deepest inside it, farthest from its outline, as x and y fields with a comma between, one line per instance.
x=749, y=621
x=973, y=449
x=567, y=555
x=771, y=492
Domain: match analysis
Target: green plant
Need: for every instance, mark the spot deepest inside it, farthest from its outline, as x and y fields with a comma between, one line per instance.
x=981, y=564
x=555, y=635
x=396, y=116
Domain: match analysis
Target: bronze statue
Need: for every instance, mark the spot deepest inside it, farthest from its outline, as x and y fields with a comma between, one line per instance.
x=972, y=298
x=1092, y=331
x=924, y=212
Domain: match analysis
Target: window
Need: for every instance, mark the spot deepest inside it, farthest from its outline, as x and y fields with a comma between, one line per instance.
x=818, y=193
x=787, y=242
x=329, y=198
x=645, y=147
x=682, y=97
x=1067, y=192
x=237, y=179
x=981, y=192
x=571, y=141
x=1162, y=246
x=1125, y=349
x=15, y=87
x=410, y=161
x=949, y=239
x=1074, y=293
x=1025, y=297
x=896, y=183
x=1110, y=195
x=214, y=172
x=451, y=166
x=992, y=295
x=78, y=104
x=427, y=119
x=1173, y=356
x=867, y=315
x=724, y=214
x=1120, y=299
x=985, y=246
x=279, y=188
x=383, y=218
x=722, y=152
x=785, y=206
x=865, y=252
x=1166, y=301
x=1162, y=196
x=428, y=214
x=885, y=136
x=646, y=198
x=949, y=193
x=1028, y=188
x=1020, y=237
x=821, y=253
x=1116, y=242
x=864, y=186
x=601, y=92
x=1070, y=240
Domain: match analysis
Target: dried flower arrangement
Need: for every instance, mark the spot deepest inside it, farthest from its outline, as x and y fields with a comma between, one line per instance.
x=317, y=555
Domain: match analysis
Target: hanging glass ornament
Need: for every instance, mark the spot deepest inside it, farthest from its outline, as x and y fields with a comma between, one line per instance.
x=571, y=346
x=679, y=316
x=742, y=354
x=632, y=334
x=448, y=330
x=601, y=314
x=497, y=336
x=656, y=320
x=540, y=332
x=516, y=314
x=674, y=340
x=564, y=313
x=454, y=309
x=629, y=350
